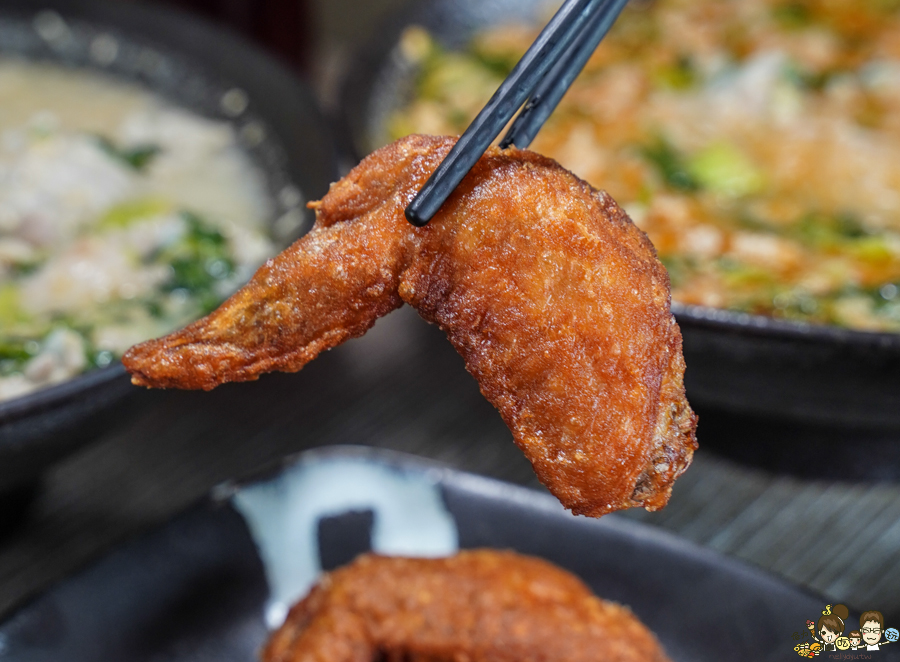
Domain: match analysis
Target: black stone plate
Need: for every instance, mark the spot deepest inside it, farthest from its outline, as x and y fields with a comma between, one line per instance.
x=196, y=588
x=737, y=363
x=193, y=64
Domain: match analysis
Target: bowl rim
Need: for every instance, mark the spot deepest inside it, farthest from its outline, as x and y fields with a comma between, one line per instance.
x=778, y=328
x=50, y=397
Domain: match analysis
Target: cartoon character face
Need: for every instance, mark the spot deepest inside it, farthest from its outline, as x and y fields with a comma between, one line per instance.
x=871, y=632
x=828, y=636
x=854, y=641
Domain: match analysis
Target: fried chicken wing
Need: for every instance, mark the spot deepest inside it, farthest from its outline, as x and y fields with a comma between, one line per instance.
x=555, y=300
x=480, y=606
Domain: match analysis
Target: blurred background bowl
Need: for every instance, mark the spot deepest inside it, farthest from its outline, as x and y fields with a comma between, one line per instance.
x=742, y=368
x=195, y=63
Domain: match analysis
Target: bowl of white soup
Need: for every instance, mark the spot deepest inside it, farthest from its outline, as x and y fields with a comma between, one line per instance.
x=149, y=164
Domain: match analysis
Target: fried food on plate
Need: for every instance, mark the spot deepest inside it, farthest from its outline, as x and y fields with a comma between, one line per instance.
x=479, y=606
x=555, y=300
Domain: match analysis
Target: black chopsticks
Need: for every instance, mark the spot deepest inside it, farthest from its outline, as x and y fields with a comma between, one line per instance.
x=541, y=77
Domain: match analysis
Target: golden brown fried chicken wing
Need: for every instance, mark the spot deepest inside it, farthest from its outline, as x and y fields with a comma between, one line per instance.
x=555, y=300
x=479, y=606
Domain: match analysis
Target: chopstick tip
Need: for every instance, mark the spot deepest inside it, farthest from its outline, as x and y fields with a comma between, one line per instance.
x=414, y=215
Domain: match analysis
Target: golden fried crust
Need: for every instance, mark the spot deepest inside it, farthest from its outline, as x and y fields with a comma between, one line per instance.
x=555, y=300
x=478, y=606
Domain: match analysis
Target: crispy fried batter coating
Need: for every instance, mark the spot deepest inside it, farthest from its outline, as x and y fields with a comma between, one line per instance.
x=555, y=300
x=478, y=606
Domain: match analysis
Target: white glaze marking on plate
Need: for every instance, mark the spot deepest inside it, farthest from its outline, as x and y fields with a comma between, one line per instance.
x=410, y=519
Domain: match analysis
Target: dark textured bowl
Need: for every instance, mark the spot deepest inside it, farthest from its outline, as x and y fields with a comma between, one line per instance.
x=193, y=64
x=738, y=363
x=199, y=587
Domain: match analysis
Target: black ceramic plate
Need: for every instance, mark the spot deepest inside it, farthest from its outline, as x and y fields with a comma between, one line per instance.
x=193, y=64
x=198, y=588
x=736, y=362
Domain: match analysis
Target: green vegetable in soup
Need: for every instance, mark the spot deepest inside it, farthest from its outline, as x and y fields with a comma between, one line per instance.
x=199, y=261
x=723, y=168
x=12, y=350
x=126, y=213
x=11, y=312
x=137, y=157
x=681, y=75
x=671, y=165
x=793, y=15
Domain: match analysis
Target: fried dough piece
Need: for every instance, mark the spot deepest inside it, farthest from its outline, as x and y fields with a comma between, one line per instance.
x=479, y=606
x=555, y=300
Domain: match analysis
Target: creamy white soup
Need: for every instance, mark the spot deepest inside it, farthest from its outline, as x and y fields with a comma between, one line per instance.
x=122, y=217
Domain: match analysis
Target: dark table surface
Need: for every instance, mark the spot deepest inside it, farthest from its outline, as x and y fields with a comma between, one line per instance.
x=402, y=386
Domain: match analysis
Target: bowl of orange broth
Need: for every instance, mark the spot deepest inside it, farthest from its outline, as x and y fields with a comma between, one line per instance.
x=757, y=143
